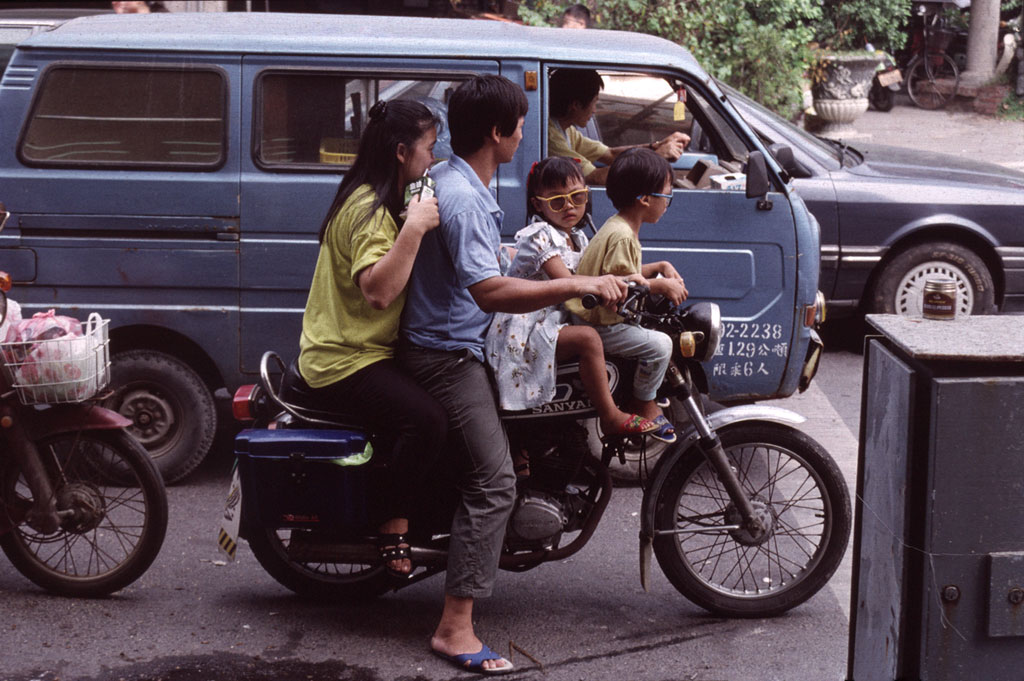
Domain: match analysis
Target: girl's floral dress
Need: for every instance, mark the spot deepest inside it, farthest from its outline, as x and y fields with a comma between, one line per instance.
x=520, y=348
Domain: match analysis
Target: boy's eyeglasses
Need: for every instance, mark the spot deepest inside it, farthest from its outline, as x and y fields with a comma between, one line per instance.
x=667, y=197
x=561, y=201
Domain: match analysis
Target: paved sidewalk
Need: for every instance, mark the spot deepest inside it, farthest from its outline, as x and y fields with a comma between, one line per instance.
x=960, y=133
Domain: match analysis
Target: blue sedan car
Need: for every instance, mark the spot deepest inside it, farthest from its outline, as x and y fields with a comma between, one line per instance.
x=891, y=217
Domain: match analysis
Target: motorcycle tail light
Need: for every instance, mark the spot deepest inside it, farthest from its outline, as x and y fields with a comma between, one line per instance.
x=241, y=405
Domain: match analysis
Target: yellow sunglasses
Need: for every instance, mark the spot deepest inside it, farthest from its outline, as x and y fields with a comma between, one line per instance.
x=560, y=202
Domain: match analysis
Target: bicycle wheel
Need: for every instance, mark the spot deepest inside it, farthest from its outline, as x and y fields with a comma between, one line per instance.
x=932, y=81
x=113, y=515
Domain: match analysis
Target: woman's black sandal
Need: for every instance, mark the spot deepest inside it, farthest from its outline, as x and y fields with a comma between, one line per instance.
x=391, y=549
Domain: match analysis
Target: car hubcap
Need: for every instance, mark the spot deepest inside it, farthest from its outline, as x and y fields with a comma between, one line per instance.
x=911, y=289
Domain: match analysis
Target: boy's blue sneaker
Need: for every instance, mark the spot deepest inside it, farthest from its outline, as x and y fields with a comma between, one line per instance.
x=665, y=432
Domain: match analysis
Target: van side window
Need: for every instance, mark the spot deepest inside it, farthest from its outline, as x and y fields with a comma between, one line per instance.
x=169, y=118
x=634, y=108
x=316, y=119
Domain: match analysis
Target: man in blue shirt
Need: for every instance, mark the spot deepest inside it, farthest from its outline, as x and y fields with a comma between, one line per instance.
x=455, y=286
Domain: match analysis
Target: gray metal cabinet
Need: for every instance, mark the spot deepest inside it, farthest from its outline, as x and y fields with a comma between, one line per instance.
x=938, y=581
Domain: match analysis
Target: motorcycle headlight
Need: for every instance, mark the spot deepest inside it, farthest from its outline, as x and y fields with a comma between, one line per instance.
x=703, y=323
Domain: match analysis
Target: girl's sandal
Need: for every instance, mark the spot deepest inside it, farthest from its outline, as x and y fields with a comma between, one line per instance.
x=635, y=425
x=394, y=547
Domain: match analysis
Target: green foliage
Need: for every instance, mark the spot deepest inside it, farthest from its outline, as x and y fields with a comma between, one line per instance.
x=541, y=12
x=849, y=24
x=1012, y=108
x=760, y=47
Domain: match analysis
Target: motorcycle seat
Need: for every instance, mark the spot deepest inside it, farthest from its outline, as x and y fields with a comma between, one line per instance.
x=304, y=401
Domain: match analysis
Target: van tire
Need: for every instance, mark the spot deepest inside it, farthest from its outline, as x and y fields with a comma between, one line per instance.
x=171, y=409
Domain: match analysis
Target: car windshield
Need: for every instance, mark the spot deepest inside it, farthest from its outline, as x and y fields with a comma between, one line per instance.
x=845, y=154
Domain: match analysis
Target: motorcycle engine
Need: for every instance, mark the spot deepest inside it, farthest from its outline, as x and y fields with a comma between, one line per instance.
x=537, y=522
x=547, y=502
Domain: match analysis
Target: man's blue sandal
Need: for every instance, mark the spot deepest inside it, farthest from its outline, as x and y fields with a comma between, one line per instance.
x=474, y=662
x=665, y=431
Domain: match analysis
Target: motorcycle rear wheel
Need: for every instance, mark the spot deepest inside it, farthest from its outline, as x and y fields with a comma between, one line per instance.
x=323, y=580
x=881, y=98
x=794, y=482
x=114, y=515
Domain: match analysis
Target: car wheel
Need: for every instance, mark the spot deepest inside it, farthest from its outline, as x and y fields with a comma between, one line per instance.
x=900, y=286
x=171, y=409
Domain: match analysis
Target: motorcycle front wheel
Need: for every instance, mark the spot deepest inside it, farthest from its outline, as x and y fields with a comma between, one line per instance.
x=797, y=490
x=319, y=577
x=113, y=514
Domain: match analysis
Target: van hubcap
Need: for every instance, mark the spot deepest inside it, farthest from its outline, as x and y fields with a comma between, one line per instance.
x=152, y=417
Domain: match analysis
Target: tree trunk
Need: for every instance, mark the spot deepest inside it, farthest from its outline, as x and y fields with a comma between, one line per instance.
x=982, y=40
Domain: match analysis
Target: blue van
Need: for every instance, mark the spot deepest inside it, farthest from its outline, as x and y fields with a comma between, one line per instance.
x=171, y=172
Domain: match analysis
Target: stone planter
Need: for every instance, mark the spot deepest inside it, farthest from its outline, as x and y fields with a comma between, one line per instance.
x=841, y=91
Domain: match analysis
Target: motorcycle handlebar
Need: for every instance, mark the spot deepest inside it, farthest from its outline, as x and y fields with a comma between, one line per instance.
x=636, y=291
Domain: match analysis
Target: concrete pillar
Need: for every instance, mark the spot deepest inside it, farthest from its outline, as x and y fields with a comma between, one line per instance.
x=982, y=39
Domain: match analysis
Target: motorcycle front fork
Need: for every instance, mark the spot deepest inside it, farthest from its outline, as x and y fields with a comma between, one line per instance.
x=42, y=517
x=711, y=445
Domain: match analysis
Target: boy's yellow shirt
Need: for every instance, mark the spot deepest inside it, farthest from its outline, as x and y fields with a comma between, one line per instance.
x=614, y=250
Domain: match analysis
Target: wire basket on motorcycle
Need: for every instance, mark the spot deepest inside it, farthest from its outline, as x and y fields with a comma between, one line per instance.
x=65, y=363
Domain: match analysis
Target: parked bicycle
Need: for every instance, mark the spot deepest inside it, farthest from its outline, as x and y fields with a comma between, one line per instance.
x=83, y=509
x=932, y=75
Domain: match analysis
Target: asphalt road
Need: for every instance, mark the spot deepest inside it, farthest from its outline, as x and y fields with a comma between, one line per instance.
x=193, y=617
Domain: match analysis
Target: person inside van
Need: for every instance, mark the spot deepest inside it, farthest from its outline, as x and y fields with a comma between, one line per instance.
x=575, y=16
x=455, y=287
x=574, y=94
x=350, y=324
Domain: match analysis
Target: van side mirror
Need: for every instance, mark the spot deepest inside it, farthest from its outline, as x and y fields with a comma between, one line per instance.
x=783, y=153
x=758, y=183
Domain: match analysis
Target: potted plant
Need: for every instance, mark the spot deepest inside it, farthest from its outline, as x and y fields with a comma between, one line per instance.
x=846, y=34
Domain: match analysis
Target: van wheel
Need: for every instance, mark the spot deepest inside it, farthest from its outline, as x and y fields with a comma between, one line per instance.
x=171, y=409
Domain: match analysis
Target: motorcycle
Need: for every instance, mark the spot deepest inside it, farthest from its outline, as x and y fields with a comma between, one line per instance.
x=83, y=509
x=745, y=514
x=885, y=85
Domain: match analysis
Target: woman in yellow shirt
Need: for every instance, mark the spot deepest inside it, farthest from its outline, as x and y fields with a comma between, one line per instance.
x=350, y=324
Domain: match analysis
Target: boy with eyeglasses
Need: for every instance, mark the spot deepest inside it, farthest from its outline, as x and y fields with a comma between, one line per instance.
x=640, y=188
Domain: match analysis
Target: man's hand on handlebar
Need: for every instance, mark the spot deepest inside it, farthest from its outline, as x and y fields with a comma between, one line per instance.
x=609, y=289
x=637, y=279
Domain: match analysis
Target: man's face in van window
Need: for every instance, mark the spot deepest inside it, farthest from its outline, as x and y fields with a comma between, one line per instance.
x=508, y=144
x=580, y=113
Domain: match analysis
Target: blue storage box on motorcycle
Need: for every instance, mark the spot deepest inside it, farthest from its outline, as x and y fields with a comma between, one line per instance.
x=313, y=479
